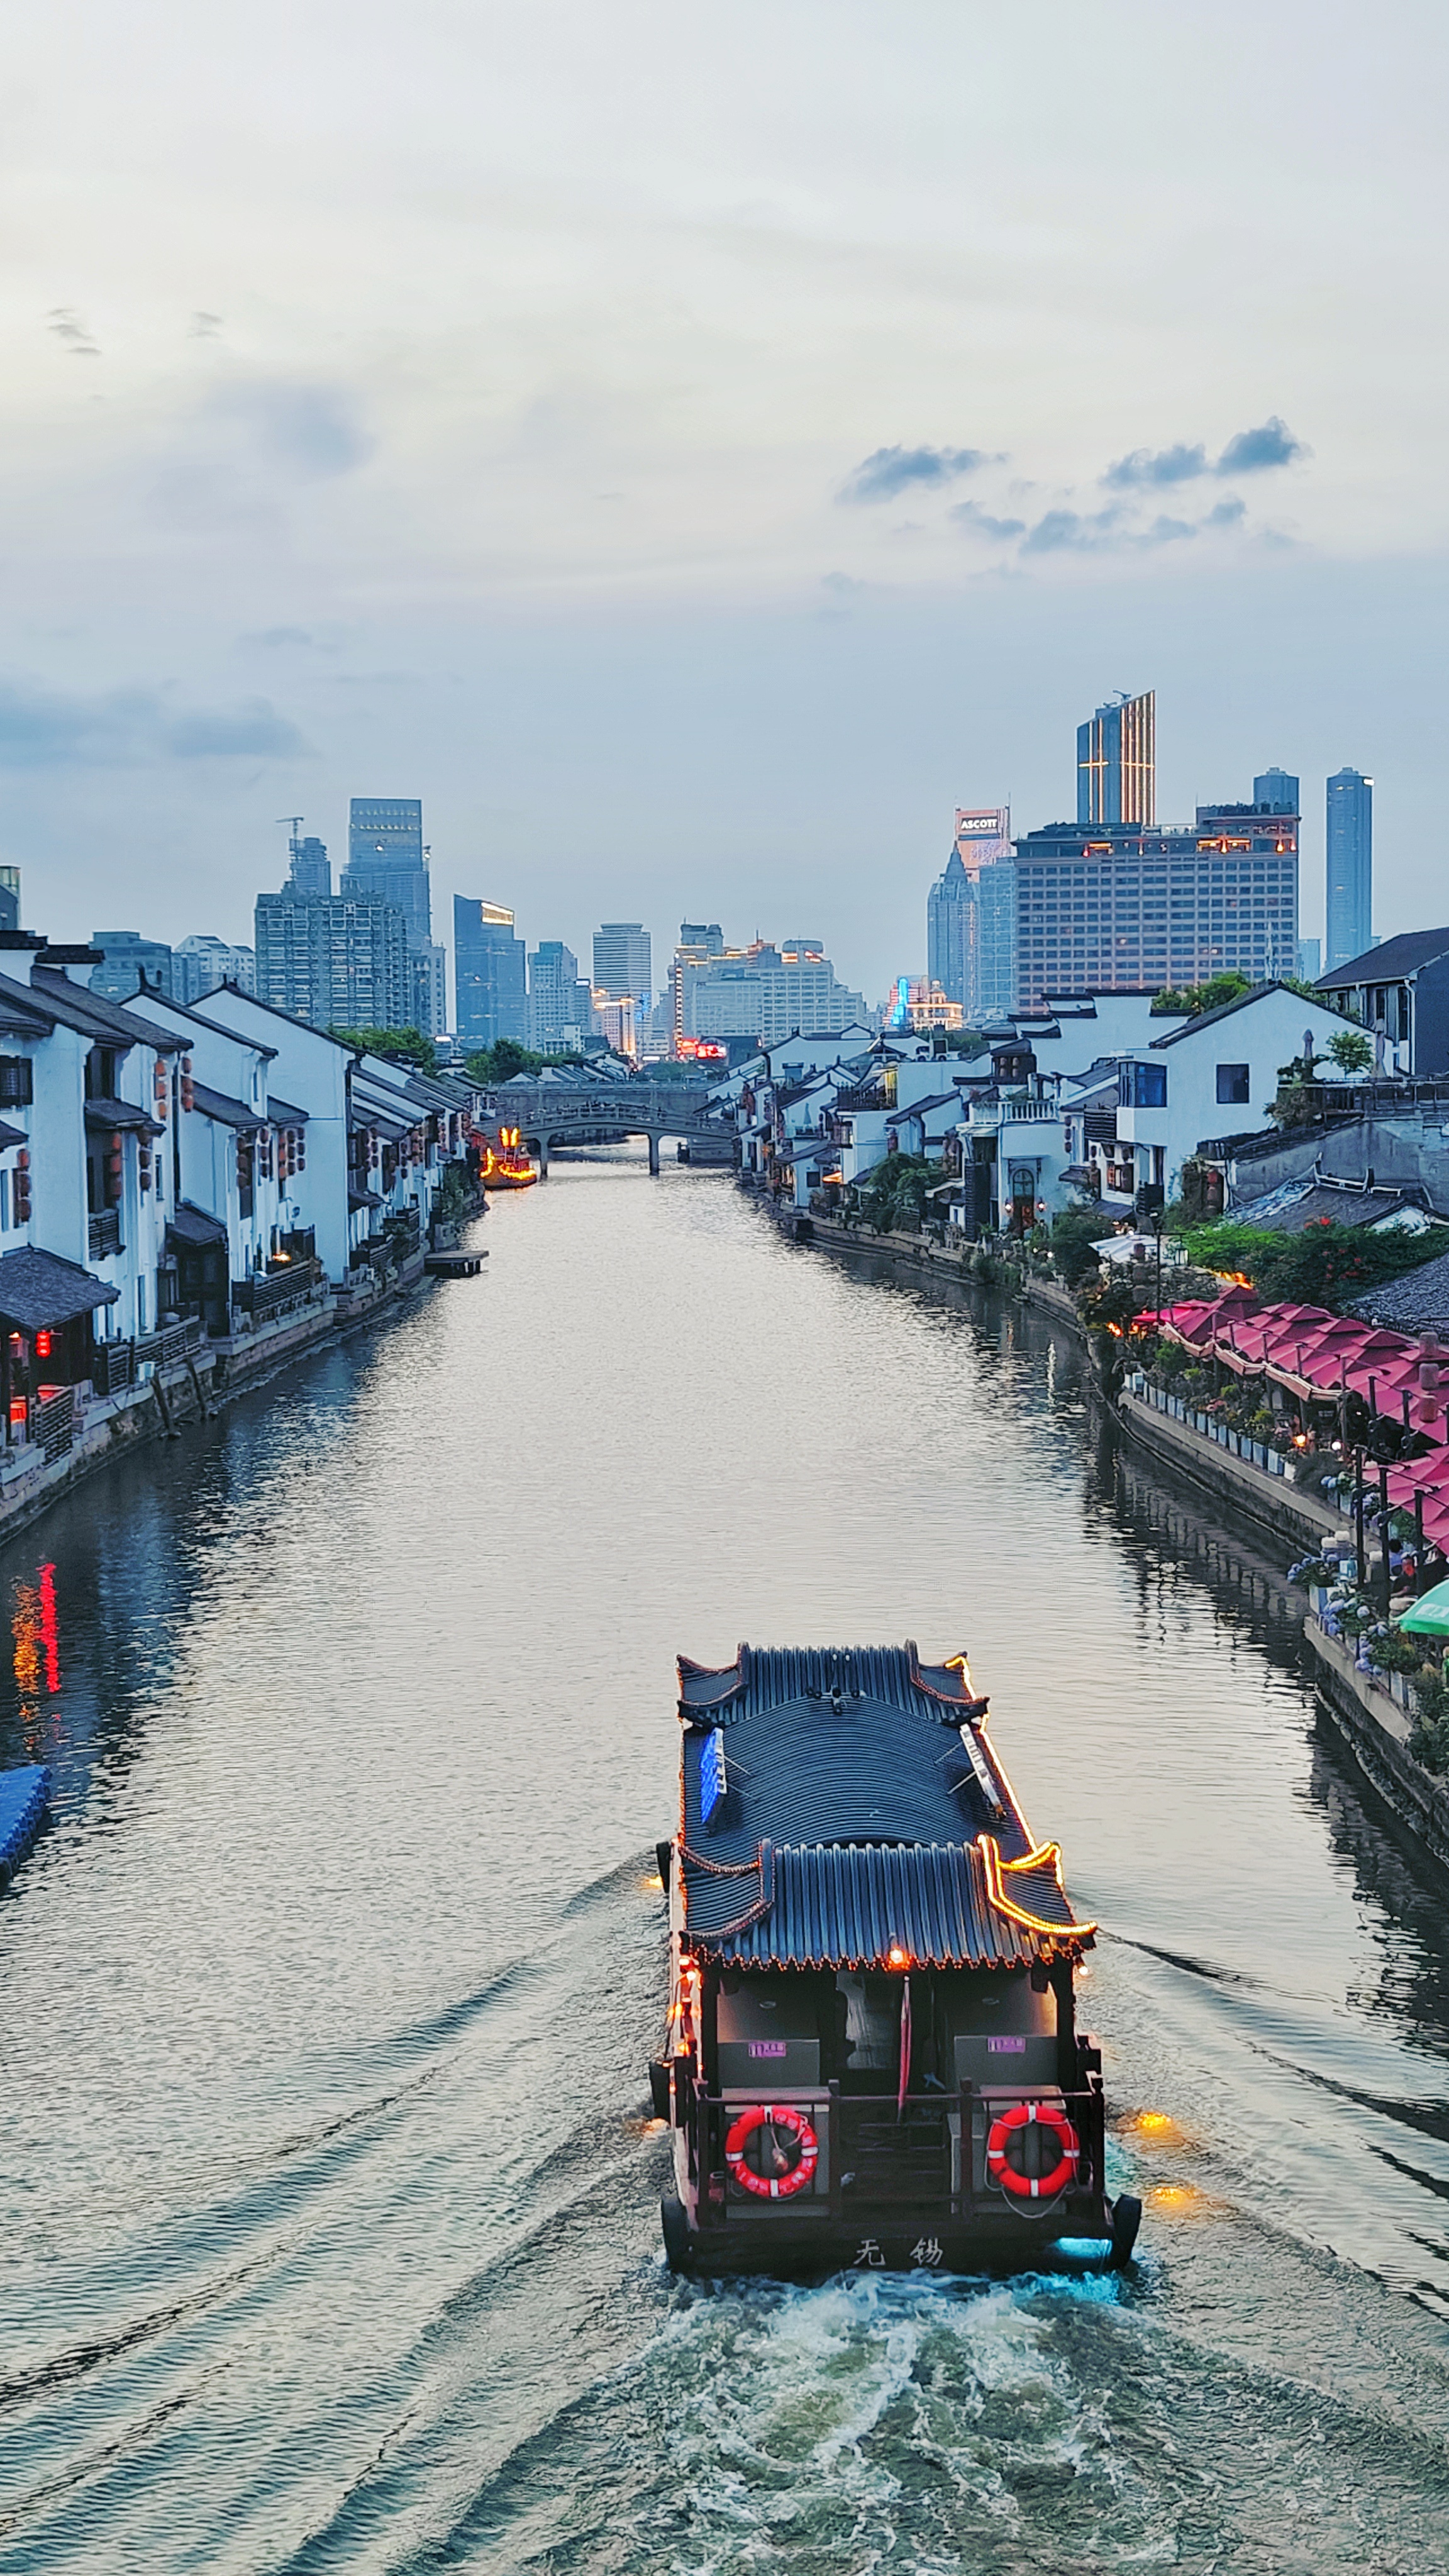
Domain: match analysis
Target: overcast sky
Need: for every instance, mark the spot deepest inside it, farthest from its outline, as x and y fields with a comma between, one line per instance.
x=695, y=448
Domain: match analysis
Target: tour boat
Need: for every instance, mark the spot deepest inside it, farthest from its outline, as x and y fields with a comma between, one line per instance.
x=506, y=1166
x=872, y=2056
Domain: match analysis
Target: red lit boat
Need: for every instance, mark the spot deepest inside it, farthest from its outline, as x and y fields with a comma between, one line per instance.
x=505, y=1166
x=872, y=2055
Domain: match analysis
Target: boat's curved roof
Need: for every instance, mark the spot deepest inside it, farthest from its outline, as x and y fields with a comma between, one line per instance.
x=865, y=1813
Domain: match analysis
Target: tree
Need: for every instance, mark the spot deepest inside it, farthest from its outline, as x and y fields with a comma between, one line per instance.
x=504, y=1059
x=1351, y=1051
x=398, y=1046
x=1074, y=1231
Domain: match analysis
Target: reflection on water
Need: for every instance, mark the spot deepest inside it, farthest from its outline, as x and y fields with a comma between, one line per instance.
x=329, y=2192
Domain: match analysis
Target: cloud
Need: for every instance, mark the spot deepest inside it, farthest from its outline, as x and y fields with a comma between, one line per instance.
x=1226, y=514
x=313, y=430
x=891, y=470
x=203, y=326
x=1069, y=531
x=1254, y=451
x=69, y=327
x=844, y=583
x=1168, y=465
x=272, y=637
x=971, y=515
x=52, y=729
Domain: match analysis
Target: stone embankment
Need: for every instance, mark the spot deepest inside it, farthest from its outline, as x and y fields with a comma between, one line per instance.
x=181, y=1376
x=1369, y=1710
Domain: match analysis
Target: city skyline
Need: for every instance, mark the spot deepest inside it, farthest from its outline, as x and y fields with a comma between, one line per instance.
x=787, y=472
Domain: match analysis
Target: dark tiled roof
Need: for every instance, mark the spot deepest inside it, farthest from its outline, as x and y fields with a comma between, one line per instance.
x=1209, y=1019
x=847, y=1907
x=12, y=1136
x=285, y=1113
x=357, y=1200
x=1402, y=956
x=855, y=1816
x=1417, y=1303
x=38, y=1290
x=107, y=1115
x=192, y=1226
x=230, y=1113
x=109, y=1023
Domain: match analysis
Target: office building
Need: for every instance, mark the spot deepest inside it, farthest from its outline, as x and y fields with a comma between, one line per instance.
x=1349, y=915
x=560, y=1003
x=127, y=959
x=9, y=898
x=622, y=967
x=614, y=1022
x=1310, y=960
x=764, y=992
x=490, y=969
x=1276, y=789
x=1126, y=910
x=699, y=941
x=201, y=963
x=971, y=917
x=1117, y=764
x=386, y=859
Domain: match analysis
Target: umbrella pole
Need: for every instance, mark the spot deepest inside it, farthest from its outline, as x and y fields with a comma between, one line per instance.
x=1418, y=1533
x=1384, y=1534
x=1360, y=1559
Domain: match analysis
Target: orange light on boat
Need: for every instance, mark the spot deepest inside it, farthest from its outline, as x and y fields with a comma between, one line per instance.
x=896, y=1957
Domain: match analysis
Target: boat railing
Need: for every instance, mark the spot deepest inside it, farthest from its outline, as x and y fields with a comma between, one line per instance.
x=916, y=2153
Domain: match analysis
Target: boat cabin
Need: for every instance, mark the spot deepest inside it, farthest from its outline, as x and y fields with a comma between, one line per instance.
x=872, y=2054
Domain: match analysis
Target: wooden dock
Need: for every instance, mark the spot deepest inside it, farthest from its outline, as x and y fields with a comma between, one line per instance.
x=455, y=1265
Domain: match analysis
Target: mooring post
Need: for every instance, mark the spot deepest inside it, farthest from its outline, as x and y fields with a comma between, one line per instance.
x=543, y=1158
x=653, y=1154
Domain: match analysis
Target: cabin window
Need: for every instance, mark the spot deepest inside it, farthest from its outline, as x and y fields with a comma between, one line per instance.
x=1233, y=1087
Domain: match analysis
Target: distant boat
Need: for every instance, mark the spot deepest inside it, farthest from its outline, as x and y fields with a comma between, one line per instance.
x=506, y=1166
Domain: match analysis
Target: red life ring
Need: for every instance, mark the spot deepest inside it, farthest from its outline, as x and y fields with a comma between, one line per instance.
x=1023, y=2186
x=795, y=2125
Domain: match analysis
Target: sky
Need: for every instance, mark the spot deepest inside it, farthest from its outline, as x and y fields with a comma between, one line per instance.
x=695, y=449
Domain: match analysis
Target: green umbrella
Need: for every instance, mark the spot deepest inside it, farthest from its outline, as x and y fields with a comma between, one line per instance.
x=1429, y=1617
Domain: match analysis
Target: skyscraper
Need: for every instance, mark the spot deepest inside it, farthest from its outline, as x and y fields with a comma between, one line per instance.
x=559, y=1001
x=622, y=966
x=491, y=971
x=1117, y=763
x=1122, y=910
x=971, y=917
x=334, y=961
x=385, y=857
x=311, y=872
x=1278, y=790
x=9, y=898
x=1349, y=911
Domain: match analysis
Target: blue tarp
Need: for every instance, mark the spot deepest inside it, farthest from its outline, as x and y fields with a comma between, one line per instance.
x=24, y=1795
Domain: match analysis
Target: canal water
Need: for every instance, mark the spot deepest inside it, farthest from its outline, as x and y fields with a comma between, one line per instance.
x=329, y=2197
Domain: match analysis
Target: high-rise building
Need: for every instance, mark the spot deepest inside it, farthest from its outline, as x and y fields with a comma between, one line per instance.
x=971, y=916
x=1349, y=917
x=763, y=992
x=1310, y=960
x=9, y=898
x=622, y=967
x=559, y=1000
x=128, y=956
x=201, y=963
x=1125, y=910
x=338, y=963
x=428, y=976
x=491, y=972
x=699, y=941
x=1117, y=763
x=614, y=1021
x=1278, y=790
x=311, y=871
x=386, y=859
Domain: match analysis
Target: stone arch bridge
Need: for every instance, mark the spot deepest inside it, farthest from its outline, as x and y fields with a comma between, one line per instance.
x=548, y=1115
